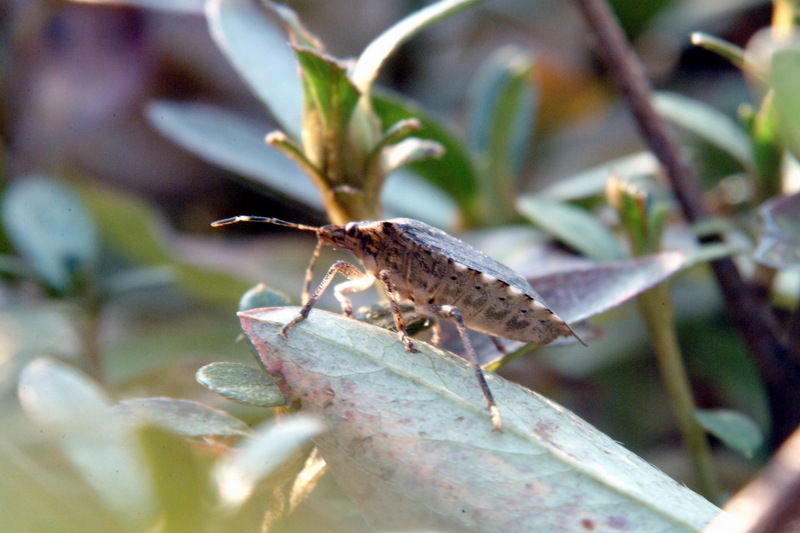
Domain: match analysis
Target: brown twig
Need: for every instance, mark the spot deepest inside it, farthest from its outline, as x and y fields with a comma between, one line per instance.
x=771, y=501
x=748, y=309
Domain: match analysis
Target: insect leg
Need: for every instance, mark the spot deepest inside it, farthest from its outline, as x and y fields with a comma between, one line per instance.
x=449, y=311
x=436, y=336
x=354, y=285
x=498, y=345
x=339, y=266
x=310, y=273
x=399, y=321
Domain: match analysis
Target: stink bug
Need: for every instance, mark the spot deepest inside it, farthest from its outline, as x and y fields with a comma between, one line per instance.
x=442, y=276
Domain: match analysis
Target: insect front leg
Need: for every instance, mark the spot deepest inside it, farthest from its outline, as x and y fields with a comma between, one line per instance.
x=352, y=272
x=451, y=312
x=399, y=321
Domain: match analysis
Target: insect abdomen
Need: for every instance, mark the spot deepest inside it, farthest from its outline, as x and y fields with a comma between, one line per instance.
x=487, y=304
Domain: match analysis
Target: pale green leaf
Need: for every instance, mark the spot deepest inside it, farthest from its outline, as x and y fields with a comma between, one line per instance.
x=189, y=7
x=574, y=226
x=234, y=143
x=273, y=443
x=242, y=384
x=779, y=244
x=183, y=417
x=410, y=439
x=50, y=227
x=69, y=405
x=736, y=430
x=785, y=77
x=707, y=123
x=373, y=56
x=592, y=181
x=258, y=48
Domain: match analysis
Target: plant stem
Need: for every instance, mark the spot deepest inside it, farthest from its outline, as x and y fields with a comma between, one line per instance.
x=749, y=310
x=658, y=315
x=90, y=331
x=784, y=18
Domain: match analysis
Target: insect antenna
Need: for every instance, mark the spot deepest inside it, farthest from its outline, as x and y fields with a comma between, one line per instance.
x=268, y=220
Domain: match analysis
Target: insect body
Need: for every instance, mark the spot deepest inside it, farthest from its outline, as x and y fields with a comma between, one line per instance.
x=443, y=276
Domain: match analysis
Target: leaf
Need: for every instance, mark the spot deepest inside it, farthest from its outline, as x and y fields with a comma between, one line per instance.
x=411, y=150
x=369, y=63
x=140, y=234
x=66, y=403
x=405, y=194
x=579, y=294
x=768, y=147
x=453, y=173
x=258, y=48
x=273, y=444
x=411, y=441
x=779, y=245
x=181, y=482
x=262, y=296
x=49, y=226
x=330, y=89
x=573, y=226
x=190, y=7
x=708, y=124
x=592, y=182
x=736, y=430
x=241, y=384
x=183, y=417
x=234, y=143
x=724, y=49
x=785, y=76
x=503, y=107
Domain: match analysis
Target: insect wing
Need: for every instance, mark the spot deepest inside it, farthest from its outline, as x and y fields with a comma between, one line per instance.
x=448, y=246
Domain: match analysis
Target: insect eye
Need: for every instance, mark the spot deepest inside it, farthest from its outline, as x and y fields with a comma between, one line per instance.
x=351, y=228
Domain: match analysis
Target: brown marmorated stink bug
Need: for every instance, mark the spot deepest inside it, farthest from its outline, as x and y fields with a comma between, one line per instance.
x=442, y=276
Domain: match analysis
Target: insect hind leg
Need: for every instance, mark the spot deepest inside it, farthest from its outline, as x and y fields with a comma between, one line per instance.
x=452, y=313
x=357, y=283
x=385, y=277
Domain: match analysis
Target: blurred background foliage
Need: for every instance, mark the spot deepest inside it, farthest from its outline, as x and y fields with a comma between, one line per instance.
x=109, y=264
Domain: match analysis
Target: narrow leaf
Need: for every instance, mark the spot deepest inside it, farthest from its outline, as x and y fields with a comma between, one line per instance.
x=184, y=417
x=273, y=444
x=49, y=226
x=181, y=482
x=736, y=430
x=64, y=401
x=258, y=48
x=410, y=151
x=573, y=226
x=779, y=245
x=242, y=384
x=592, y=182
x=330, y=88
x=453, y=173
x=373, y=56
x=405, y=193
x=785, y=77
x=139, y=233
x=234, y=143
x=579, y=294
x=724, y=49
x=409, y=435
x=189, y=7
x=708, y=124
x=503, y=107
x=262, y=296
